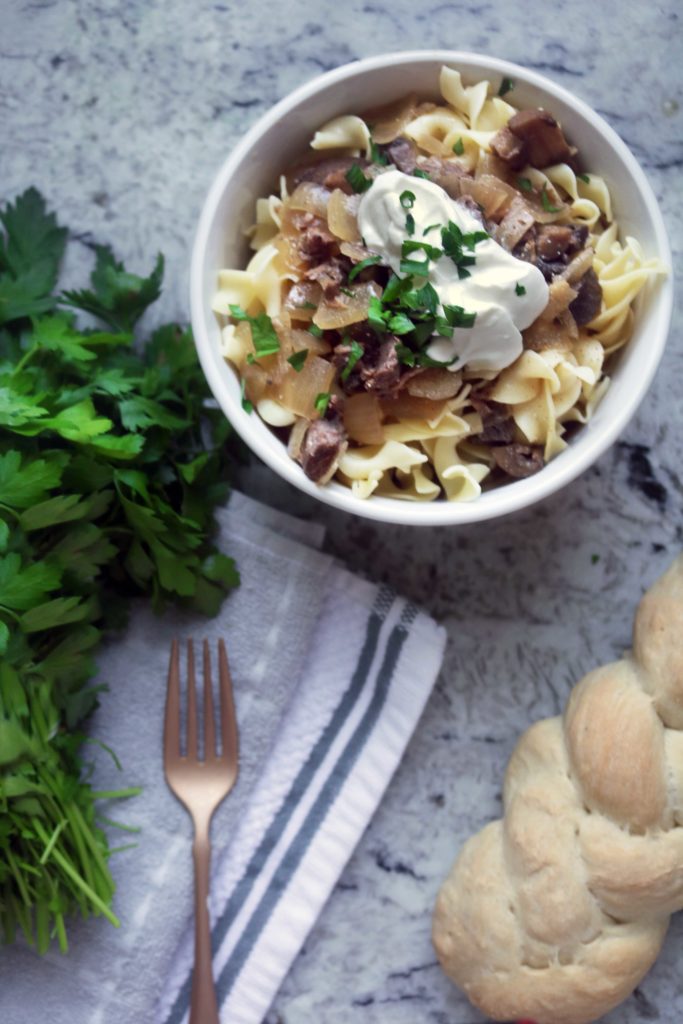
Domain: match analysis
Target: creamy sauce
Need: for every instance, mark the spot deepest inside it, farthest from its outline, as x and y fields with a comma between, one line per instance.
x=492, y=290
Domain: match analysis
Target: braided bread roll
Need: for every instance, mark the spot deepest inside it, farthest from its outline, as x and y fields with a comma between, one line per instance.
x=556, y=912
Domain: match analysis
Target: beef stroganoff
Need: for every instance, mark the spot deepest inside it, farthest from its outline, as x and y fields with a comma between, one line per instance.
x=434, y=296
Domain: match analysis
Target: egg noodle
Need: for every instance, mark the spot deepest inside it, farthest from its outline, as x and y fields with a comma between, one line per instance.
x=550, y=385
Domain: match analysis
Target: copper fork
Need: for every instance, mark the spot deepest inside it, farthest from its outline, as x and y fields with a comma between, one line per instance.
x=201, y=785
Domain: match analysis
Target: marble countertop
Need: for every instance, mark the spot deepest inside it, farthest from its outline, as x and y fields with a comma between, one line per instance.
x=120, y=112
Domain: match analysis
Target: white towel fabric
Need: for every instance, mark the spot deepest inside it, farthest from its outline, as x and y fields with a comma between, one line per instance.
x=331, y=674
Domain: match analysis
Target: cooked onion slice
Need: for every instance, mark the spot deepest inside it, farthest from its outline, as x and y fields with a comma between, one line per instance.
x=298, y=390
x=342, y=212
x=389, y=121
x=310, y=196
x=363, y=419
x=492, y=194
x=410, y=407
x=347, y=309
x=302, y=300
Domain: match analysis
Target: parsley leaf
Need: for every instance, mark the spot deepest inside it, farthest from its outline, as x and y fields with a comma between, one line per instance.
x=117, y=297
x=525, y=184
x=520, y=289
x=297, y=359
x=263, y=336
x=359, y=267
x=111, y=464
x=322, y=401
x=377, y=156
x=547, y=205
x=506, y=86
x=357, y=179
x=355, y=354
x=459, y=146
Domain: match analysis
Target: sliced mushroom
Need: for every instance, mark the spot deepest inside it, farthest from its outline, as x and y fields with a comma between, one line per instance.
x=545, y=143
x=518, y=460
x=588, y=302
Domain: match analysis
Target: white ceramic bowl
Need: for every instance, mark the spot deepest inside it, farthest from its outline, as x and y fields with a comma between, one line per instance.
x=282, y=135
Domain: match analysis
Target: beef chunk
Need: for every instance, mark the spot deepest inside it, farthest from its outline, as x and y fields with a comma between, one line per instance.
x=588, y=302
x=518, y=460
x=552, y=241
x=331, y=172
x=316, y=240
x=509, y=148
x=403, y=154
x=446, y=173
x=323, y=443
x=330, y=275
x=499, y=427
x=542, y=135
x=380, y=370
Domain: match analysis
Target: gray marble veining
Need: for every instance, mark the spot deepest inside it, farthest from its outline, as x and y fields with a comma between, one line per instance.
x=120, y=112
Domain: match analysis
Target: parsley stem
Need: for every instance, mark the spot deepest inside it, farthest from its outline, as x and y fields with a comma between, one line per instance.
x=69, y=870
x=27, y=356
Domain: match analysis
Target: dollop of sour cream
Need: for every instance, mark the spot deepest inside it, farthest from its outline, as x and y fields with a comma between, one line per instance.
x=506, y=294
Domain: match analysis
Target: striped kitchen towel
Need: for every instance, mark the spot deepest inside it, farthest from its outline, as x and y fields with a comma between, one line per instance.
x=331, y=674
x=370, y=669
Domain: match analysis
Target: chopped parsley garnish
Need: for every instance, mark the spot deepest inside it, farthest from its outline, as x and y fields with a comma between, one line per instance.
x=412, y=314
x=297, y=359
x=424, y=299
x=354, y=355
x=525, y=184
x=376, y=314
x=421, y=174
x=547, y=205
x=432, y=251
x=432, y=227
x=406, y=199
x=584, y=177
x=460, y=246
x=506, y=86
x=359, y=267
x=410, y=358
x=400, y=323
x=322, y=401
x=459, y=147
x=251, y=358
x=410, y=224
x=315, y=331
x=308, y=305
x=358, y=181
x=595, y=559
x=520, y=289
x=376, y=155
x=346, y=291
x=418, y=267
x=457, y=317
x=263, y=336
x=246, y=404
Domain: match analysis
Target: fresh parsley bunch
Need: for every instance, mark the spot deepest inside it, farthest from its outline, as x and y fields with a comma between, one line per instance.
x=111, y=464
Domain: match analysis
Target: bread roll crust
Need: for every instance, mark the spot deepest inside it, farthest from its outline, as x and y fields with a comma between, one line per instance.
x=556, y=912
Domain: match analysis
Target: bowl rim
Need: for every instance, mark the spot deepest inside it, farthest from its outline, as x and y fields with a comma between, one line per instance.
x=511, y=497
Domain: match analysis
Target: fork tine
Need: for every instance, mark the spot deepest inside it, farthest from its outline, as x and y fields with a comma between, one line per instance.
x=191, y=704
x=209, y=722
x=172, y=715
x=229, y=739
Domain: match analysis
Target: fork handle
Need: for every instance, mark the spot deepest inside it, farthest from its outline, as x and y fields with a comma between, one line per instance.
x=203, y=1005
